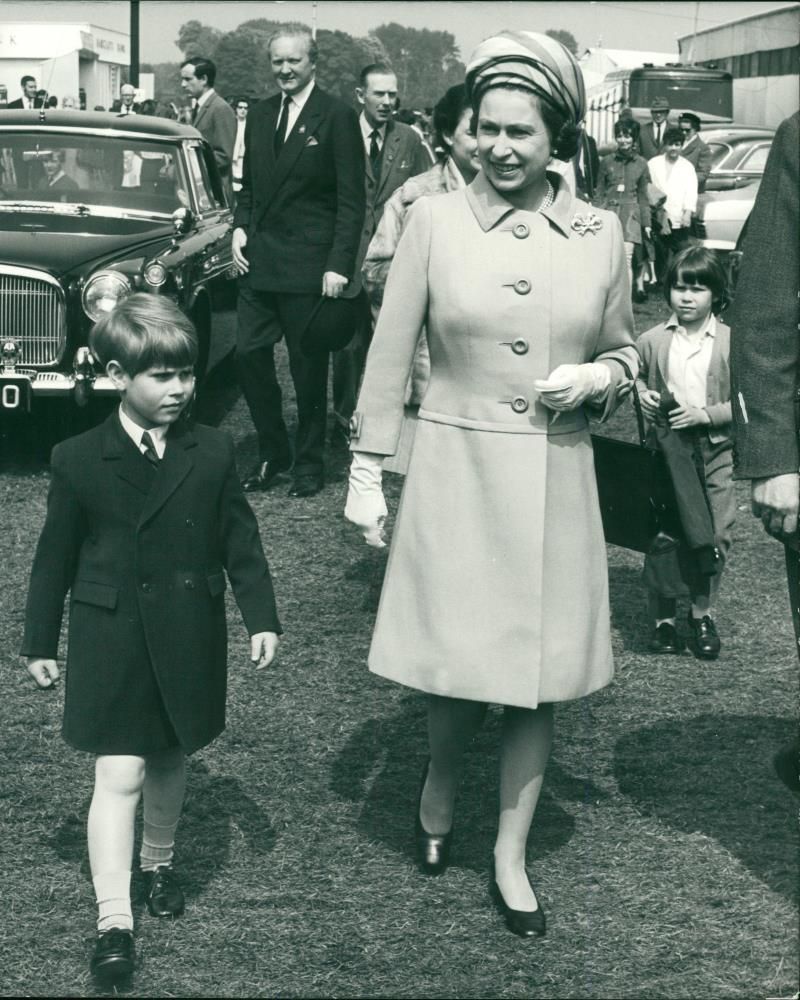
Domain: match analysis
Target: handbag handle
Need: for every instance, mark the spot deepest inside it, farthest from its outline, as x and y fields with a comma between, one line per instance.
x=637, y=403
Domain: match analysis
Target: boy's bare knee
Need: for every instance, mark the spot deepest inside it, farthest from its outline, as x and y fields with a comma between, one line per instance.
x=120, y=774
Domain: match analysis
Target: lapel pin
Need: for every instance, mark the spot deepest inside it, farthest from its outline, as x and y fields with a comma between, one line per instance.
x=301, y=130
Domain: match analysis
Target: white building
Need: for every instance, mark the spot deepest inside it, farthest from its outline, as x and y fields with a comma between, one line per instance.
x=762, y=53
x=65, y=59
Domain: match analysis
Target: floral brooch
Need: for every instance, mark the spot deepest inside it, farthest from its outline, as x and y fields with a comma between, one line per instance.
x=583, y=224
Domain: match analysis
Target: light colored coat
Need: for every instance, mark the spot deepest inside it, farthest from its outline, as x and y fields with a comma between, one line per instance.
x=496, y=588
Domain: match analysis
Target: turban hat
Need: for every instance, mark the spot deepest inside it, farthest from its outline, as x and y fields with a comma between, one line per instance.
x=533, y=61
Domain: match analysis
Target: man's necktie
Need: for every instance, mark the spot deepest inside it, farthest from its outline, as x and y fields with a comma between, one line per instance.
x=283, y=121
x=374, y=148
x=149, y=452
x=194, y=113
x=658, y=135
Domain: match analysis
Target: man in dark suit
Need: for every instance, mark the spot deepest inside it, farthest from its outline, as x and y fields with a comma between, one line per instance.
x=765, y=366
x=651, y=135
x=296, y=234
x=212, y=116
x=586, y=163
x=29, y=98
x=393, y=153
x=54, y=177
x=694, y=149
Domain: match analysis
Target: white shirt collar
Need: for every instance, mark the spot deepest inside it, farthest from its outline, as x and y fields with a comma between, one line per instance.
x=708, y=330
x=205, y=96
x=134, y=432
x=299, y=99
x=367, y=129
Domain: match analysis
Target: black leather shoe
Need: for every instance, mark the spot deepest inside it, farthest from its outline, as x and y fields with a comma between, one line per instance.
x=114, y=955
x=665, y=639
x=340, y=437
x=264, y=475
x=163, y=893
x=306, y=486
x=433, y=850
x=524, y=923
x=705, y=638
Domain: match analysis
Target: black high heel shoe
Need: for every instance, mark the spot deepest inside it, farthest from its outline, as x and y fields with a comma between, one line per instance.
x=524, y=923
x=433, y=850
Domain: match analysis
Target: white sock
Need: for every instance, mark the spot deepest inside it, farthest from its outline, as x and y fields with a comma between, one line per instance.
x=113, y=893
x=699, y=613
x=158, y=843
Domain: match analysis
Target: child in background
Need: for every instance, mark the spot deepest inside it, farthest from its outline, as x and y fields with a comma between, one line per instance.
x=144, y=513
x=686, y=360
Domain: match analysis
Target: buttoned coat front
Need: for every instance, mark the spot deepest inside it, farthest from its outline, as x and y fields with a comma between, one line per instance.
x=496, y=587
x=143, y=553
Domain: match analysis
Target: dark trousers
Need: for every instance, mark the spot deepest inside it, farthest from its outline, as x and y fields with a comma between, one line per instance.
x=265, y=317
x=793, y=577
x=348, y=368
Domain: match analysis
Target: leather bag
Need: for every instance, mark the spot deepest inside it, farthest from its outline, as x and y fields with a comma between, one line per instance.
x=637, y=498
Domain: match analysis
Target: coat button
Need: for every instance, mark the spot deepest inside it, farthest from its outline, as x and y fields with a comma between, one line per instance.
x=189, y=584
x=522, y=286
x=521, y=231
x=519, y=404
x=147, y=587
x=189, y=522
x=519, y=346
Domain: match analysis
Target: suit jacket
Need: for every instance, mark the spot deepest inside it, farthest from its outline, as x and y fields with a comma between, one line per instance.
x=648, y=146
x=64, y=183
x=699, y=155
x=653, y=348
x=403, y=156
x=216, y=122
x=143, y=553
x=587, y=167
x=19, y=106
x=765, y=353
x=302, y=210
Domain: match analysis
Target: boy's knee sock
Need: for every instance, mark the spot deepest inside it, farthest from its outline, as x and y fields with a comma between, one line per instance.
x=158, y=843
x=113, y=893
x=164, y=789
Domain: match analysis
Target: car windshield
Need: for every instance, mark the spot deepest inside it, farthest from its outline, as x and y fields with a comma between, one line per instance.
x=718, y=153
x=106, y=173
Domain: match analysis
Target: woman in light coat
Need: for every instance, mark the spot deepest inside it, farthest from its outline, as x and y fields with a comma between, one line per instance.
x=452, y=122
x=496, y=588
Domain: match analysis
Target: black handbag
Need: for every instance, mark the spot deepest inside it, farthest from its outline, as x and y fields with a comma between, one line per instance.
x=637, y=498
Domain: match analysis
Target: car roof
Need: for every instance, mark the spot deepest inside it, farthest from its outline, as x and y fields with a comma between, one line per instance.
x=161, y=128
x=737, y=132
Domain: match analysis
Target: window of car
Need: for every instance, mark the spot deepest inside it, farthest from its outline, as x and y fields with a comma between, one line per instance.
x=756, y=160
x=209, y=196
x=719, y=150
x=125, y=173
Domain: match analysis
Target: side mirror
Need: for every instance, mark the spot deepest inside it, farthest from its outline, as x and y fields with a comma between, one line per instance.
x=183, y=221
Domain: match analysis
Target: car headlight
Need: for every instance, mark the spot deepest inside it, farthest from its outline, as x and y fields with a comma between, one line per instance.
x=155, y=274
x=102, y=292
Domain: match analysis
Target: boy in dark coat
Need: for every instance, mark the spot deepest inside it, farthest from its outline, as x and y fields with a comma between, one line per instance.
x=145, y=512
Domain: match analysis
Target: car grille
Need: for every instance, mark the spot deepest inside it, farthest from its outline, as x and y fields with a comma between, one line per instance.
x=32, y=314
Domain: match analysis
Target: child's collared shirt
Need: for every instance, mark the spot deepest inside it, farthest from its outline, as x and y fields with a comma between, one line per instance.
x=689, y=360
x=158, y=435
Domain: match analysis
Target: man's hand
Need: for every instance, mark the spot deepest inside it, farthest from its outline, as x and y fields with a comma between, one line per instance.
x=648, y=232
x=650, y=399
x=263, y=647
x=44, y=672
x=688, y=416
x=686, y=219
x=333, y=284
x=775, y=501
x=238, y=243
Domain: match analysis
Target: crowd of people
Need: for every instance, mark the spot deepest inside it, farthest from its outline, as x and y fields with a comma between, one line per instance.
x=489, y=311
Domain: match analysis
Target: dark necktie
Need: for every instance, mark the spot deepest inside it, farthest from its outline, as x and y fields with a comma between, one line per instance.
x=149, y=452
x=658, y=135
x=374, y=148
x=283, y=121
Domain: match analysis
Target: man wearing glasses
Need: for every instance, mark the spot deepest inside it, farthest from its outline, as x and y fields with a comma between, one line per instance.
x=694, y=149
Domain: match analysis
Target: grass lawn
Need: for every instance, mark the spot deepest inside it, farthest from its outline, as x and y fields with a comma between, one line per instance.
x=664, y=849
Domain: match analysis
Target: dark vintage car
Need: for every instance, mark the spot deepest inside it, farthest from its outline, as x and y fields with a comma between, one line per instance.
x=93, y=207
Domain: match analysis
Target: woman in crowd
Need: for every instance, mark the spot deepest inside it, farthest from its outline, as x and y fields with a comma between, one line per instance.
x=622, y=189
x=452, y=122
x=496, y=588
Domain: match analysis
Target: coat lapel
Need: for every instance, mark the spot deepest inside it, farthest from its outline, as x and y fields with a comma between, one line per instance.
x=201, y=111
x=388, y=156
x=304, y=128
x=126, y=460
x=175, y=466
x=662, y=356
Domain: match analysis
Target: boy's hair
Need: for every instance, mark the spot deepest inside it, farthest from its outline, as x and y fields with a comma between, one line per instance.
x=699, y=266
x=144, y=331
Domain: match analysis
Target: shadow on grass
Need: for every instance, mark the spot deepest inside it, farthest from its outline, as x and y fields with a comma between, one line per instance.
x=213, y=804
x=380, y=767
x=628, y=607
x=713, y=775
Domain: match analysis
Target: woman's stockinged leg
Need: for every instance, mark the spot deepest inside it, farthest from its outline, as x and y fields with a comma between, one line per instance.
x=527, y=739
x=452, y=723
x=118, y=785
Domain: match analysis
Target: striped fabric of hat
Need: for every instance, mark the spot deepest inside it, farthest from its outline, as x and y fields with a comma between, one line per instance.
x=532, y=60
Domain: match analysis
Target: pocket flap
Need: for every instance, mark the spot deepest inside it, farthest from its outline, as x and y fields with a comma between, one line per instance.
x=103, y=595
x=216, y=584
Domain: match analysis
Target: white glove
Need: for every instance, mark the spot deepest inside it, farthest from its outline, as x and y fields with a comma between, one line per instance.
x=366, y=506
x=570, y=385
